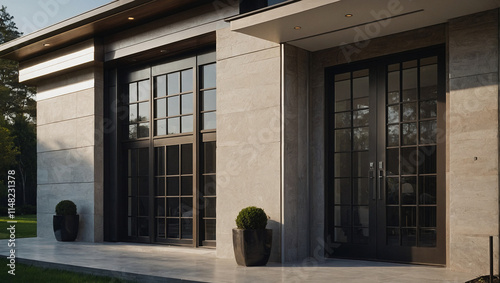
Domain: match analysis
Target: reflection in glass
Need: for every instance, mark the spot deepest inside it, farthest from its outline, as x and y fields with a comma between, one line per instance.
x=210, y=185
x=160, y=207
x=144, y=111
x=360, y=164
x=428, y=132
x=173, y=207
x=408, y=190
x=187, y=80
x=209, y=164
x=160, y=86
x=208, y=99
x=341, y=235
x=173, y=83
x=209, y=121
x=427, y=237
x=342, y=165
x=132, y=113
x=132, y=131
x=174, y=126
x=409, y=237
x=408, y=160
x=343, y=140
x=161, y=108
x=187, y=124
x=427, y=159
x=409, y=111
x=210, y=229
x=210, y=207
x=410, y=134
x=393, y=135
x=161, y=127
x=392, y=190
x=410, y=84
x=360, y=118
x=343, y=90
x=144, y=90
x=360, y=191
x=187, y=158
x=187, y=228
x=408, y=216
x=360, y=87
x=427, y=216
x=361, y=103
x=132, y=92
x=392, y=159
x=208, y=76
x=143, y=130
x=173, y=160
x=392, y=216
x=428, y=109
x=342, y=190
x=427, y=191
x=173, y=106
x=361, y=216
x=187, y=103
x=343, y=120
x=173, y=228
x=392, y=237
x=186, y=185
x=428, y=82
x=172, y=186
x=361, y=138
x=393, y=114
x=342, y=216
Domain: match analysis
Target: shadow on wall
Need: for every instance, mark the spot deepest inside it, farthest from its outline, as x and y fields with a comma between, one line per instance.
x=66, y=173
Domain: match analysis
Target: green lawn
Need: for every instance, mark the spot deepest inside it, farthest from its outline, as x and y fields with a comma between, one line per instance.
x=25, y=227
x=28, y=273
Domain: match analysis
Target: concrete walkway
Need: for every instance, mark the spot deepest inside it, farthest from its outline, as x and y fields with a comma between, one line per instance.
x=156, y=263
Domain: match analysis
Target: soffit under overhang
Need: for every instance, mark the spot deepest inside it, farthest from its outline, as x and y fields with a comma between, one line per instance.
x=319, y=24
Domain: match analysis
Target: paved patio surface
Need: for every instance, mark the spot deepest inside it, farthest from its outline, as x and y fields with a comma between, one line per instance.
x=157, y=263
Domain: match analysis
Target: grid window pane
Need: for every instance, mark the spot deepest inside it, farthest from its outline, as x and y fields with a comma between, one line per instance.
x=208, y=76
x=173, y=83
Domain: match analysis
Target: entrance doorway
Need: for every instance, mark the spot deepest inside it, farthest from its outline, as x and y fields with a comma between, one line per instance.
x=385, y=147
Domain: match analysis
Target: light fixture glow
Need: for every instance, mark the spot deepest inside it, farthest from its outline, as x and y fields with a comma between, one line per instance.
x=46, y=44
x=297, y=27
x=131, y=18
x=348, y=15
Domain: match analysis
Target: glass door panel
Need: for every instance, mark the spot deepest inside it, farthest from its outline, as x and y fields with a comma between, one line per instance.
x=384, y=188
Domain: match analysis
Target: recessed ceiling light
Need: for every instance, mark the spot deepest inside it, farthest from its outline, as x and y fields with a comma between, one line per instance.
x=297, y=27
x=163, y=51
x=348, y=15
x=46, y=44
x=131, y=18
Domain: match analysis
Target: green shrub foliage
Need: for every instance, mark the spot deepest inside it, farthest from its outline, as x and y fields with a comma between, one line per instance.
x=66, y=207
x=251, y=218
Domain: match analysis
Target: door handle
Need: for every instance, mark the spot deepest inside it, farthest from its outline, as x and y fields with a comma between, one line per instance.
x=372, y=180
x=380, y=179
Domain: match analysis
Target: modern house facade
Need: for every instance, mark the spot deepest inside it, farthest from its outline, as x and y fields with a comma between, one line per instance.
x=365, y=129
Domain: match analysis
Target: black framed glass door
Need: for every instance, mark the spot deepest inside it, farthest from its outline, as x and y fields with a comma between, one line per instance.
x=385, y=190
x=168, y=142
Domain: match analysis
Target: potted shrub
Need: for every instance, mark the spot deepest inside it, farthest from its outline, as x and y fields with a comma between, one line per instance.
x=251, y=240
x=66, y=221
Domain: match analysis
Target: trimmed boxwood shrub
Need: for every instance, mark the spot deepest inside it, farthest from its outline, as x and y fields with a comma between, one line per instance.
x=251, y=218
x=66, y=207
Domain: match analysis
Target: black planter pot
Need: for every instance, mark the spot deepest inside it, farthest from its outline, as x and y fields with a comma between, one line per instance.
x=66, y=227
x=252, y=247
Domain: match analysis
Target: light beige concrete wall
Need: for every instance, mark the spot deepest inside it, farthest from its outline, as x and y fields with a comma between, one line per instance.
x=472, y=131
x=70, y=149
x=248, y=134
